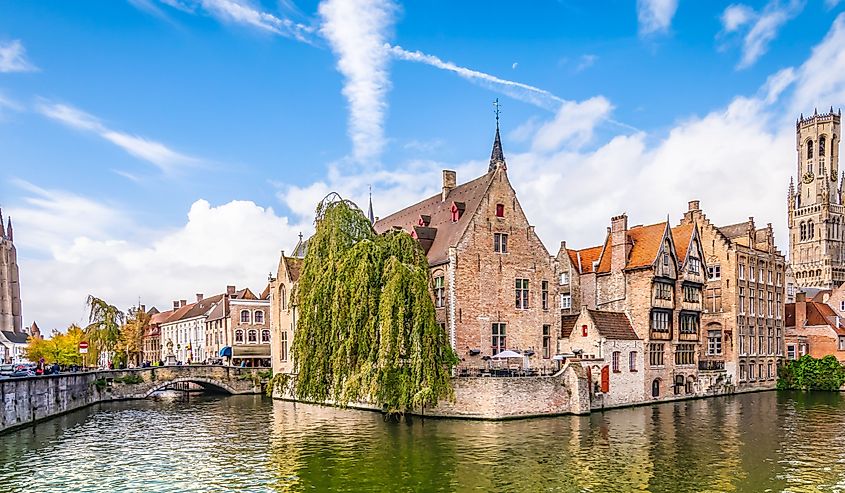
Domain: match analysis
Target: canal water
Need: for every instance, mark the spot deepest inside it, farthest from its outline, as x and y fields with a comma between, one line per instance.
x=753, y=442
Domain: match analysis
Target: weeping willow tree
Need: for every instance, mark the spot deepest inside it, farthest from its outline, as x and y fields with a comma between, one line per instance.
x=367, y=329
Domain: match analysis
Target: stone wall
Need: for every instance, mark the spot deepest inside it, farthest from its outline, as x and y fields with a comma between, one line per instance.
x=28, y=400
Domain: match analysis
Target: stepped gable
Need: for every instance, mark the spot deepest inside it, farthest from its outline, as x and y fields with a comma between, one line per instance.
x=447, y=232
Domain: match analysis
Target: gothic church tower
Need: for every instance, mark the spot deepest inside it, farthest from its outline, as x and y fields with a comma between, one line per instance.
x=816, y=211
x=10, y=288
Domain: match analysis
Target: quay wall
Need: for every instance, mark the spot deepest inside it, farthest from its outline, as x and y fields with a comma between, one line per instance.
x=27, y=400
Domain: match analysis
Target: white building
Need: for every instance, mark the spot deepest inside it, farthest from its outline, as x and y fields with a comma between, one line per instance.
x=183, y=333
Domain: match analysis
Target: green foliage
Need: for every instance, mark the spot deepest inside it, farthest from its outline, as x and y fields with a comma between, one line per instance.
x=367, y=328
x=129, y=379
x=100, y=383
x=61, y=348
x=104, y=323
x=279, y=381
x=809, y=373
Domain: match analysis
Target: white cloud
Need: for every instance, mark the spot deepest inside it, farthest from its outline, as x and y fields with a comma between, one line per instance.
x=151, y=151
x=820, y=81
x=655, y=16
x=357, y=31
x=77, y=246
x=572, y=125
x=762, y=27
x=13, y=57
x=585, y=62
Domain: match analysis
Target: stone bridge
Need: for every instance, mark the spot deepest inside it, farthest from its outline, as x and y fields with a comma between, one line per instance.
x=29, y=400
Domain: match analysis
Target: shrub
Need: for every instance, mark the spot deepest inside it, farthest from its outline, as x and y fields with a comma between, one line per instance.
x=808, y=373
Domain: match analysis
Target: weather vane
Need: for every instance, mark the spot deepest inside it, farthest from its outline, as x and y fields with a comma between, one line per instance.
x=497, y=111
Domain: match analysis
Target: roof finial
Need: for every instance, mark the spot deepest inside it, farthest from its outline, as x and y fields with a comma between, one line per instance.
x=497, y=157
x=370, y=215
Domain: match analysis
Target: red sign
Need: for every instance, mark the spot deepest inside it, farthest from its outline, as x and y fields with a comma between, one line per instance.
x=83, y=345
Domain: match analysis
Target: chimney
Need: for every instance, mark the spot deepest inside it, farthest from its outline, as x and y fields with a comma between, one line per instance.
x=230, y=290
x=694, y=206
x=450, y=180
x=619, y=247
x=183, y=303
x=144, y=308
x=175, y=305
x=800, y=309
x=199, y=297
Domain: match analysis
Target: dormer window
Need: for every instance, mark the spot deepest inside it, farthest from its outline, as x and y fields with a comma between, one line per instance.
x=457, y=211
x=500, y=210
x=424, y=221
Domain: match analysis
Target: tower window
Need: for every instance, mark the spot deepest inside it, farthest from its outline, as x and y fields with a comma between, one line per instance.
x=810, y=149
x=821, y=146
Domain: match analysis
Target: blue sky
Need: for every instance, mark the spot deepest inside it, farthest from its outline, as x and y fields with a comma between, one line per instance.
x=157, y=148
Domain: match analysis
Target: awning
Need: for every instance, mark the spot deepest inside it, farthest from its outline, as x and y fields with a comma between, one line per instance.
x=226, y=351
x=251, y=351
x=507, y=355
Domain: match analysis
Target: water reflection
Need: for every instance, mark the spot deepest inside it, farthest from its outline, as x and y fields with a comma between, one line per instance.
x=752, y=442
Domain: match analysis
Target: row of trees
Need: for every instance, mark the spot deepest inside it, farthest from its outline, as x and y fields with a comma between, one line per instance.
x=110, y=332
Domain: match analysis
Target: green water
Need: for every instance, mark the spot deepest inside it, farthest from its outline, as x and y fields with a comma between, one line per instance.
x=754, y=442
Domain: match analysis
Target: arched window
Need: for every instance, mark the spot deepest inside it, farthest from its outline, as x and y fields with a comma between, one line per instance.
x=679, y=384
x=258, y=316
x=252, y=336
x=690, y=385
x=244, y=316
x=821, y=145
x=239, y=336
x=811, y=232
x=810, y=149
x=282, y=301
x=803, y=231
x=265, y=336
x=655, y=388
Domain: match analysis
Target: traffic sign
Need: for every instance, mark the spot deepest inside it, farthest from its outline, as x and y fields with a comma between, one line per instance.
x=83, y=347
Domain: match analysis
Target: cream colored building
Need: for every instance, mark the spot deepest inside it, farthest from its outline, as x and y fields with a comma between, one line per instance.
x=283, y=310
x=816, y=211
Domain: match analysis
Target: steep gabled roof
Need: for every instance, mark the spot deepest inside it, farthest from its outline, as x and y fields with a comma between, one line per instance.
x=158, y=318
x=567, y=323
x=294, y=267
x=220, y=310
x=817, y=314
x=448, y=233
x=582, y=260
x=613, y=325
x=732, y=231
x=646, y=242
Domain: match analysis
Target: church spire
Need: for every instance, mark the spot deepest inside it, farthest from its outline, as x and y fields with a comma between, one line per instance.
x=2, y=230
x=9, y=234
x=497, y=157
x=370, y=215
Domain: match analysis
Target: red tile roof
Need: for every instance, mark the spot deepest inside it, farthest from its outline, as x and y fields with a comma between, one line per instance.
x=447, y=233
x=817, y=314
x=582, y=260
x=645, y=244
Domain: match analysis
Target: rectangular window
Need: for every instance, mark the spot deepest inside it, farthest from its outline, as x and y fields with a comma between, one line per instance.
x=632, y=361
x=564, y=278
x=714, y=272
x=692, y=294
x=778, y=342
x=751, y=339
x=500, y=210
x=742, y=301
x=742, y=271
x=761, y=339
x=283, y=346
x=771, y=304
x=685, y=354
x=742, y=347
x=714, y=300
x=694, y=265
x=769, y=371
x=770, y=340
x=689, y=323
x=841, y=343
x=545, y=294
x=779, y=278
x=662, y=291
x=761, y=304
x=439, y=292
x=660, y=321
x=583, y=331
x=752, y=273
x=522, y=294
x=566, y=301
x=500, y=242
x=742, y=375
x=655, y=354
x=615, y=362
x=547, y=341
x=779, y=307
x=842, y=306
x=769, y=279
x=790, y=289
x=714, y=342
x=751, y=302
x=499, y=337
x=790, y=351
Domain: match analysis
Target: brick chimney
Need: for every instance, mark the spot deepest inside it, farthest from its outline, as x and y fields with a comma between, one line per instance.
x=694, y=206
x=230, y=290
x=450, y=181
x=183, y=303
x=800, y=309
x=619, y=245
x=175, y=305
x=199, y=297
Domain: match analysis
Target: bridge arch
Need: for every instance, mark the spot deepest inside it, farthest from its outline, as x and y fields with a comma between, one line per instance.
x=205, y=383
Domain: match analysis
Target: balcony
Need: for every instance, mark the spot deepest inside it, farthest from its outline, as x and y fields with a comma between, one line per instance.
x=711, y=365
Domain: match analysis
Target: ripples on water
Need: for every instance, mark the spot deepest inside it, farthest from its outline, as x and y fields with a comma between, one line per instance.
x=753, y=442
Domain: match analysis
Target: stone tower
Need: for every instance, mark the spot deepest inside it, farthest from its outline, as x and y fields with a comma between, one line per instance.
x=10, y=288
x=815, y=205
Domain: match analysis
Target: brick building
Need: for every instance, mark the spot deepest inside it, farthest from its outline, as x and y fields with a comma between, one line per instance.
x=742, y=322
x=237, y=328
x=283, y=310
x=814, y=328
x=494, y=282
x=151, y=341
x=606, y=345
x=654, y=274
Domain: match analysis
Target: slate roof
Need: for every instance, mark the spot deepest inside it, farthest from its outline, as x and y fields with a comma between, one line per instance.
x=468, y=195
x=732, y=231
x=15, y=337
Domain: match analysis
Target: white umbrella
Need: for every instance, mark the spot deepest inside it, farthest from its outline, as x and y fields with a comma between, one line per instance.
x=507, y=354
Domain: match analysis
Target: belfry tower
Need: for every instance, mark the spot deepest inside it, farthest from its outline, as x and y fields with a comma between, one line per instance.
x=815, y=204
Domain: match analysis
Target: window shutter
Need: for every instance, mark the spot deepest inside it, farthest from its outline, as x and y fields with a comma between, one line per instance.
x=605, y=379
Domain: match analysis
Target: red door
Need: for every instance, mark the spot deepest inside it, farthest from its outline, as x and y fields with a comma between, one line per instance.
x=605, y=379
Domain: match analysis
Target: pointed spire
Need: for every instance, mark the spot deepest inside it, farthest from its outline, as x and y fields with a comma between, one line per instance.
x=2, y=230
x=370, y=210
x=831, y=109
x=497, y=157
x=9, y=232
x=815, y=111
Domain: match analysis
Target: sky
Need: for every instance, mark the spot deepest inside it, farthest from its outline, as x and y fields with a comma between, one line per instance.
x=154, y=149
